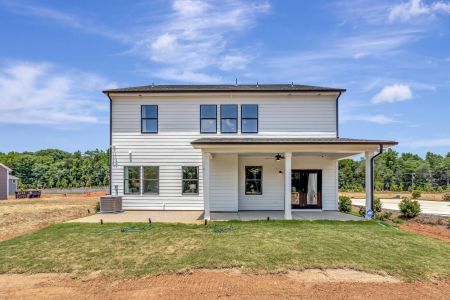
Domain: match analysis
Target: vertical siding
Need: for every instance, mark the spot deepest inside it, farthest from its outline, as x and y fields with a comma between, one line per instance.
x=224, y=183
x=179, y=124
x=3, y=183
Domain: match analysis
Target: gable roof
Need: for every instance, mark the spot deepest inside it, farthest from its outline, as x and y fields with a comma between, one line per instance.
x=221, y=88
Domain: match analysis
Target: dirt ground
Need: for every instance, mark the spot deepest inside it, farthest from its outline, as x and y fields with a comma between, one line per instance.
x=20, y=216
x=433, y=231
x=392, y=195
x=229, y=284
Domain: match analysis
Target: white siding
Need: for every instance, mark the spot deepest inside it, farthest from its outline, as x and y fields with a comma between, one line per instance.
x=224, y=183
x=179, y=124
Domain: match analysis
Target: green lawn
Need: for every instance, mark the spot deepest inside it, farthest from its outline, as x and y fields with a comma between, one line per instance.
x=275, y=245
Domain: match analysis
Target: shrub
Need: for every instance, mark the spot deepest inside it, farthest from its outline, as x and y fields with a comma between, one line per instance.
x=362, y=211
x=416, y=194
x=409, y=208
x=345, y=204
x=377, y=205
x=446, y=197
x=97, y=207
x=398, y=221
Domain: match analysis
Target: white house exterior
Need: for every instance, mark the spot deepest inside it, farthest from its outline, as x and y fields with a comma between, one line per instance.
x=226, y=148
x=4, y=181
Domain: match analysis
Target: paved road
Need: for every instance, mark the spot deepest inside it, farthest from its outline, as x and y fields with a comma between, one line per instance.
x=440, y=208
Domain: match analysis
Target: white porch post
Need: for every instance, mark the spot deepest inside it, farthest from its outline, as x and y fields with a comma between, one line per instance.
x=369, y=186
x=287, y=185
x=206, y=173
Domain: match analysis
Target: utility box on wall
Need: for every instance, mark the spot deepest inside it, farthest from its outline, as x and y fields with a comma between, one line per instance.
x=110, y=204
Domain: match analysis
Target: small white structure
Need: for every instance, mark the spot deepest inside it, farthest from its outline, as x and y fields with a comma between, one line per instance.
x=5, y=180
x=228, y=148
x=13, y=183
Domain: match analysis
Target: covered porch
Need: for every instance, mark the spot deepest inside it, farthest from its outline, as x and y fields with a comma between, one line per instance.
x=293, y=175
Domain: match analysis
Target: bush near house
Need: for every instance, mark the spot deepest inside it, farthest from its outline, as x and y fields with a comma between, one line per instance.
x=345, y=204
x=409, y=208
x=377, y=206
x=416, y=194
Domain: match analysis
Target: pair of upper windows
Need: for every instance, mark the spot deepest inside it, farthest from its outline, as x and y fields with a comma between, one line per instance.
x=229, y=118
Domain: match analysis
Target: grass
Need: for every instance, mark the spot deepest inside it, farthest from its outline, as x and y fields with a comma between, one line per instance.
x=143, y=249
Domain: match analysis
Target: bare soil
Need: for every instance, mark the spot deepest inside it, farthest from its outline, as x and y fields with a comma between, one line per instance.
x=392, y=195
x=433, y=231
x=229, y=284
x=20, y=216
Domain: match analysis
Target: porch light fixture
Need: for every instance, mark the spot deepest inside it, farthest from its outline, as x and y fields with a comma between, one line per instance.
x=279, y=157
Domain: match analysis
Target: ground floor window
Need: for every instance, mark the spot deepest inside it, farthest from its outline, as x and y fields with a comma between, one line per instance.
x=190, y=180
x=151, y=180
x=253, y=180
x=132, y=180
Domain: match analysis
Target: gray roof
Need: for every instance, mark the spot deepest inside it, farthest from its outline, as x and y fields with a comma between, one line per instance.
x=291, y=141
x=221, y=88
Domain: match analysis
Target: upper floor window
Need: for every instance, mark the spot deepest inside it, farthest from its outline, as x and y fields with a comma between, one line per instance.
x=228, y=118
x=208, y=118
x=132, y=180
x=149, y=118
x=249, y=118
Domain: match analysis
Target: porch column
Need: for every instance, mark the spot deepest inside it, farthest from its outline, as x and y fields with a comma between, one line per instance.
x=287, y=185
x=206, y=173
x=369, y=183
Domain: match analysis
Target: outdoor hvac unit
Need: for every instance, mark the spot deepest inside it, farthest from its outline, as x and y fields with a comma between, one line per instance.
x=110, y=204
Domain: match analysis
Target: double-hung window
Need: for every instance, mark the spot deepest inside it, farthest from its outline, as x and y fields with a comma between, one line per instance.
x=190, y=180
x=208, y=118
x=149, y=118
x=249, y=118
x=132, y=180
x=253, y=180
x=228, y=118
x=151, y=180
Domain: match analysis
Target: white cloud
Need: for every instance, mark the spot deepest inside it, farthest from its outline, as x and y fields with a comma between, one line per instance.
x=197, y=37
x=41, y=93
x=417, y=8
x=379, y=119
x=393, y=93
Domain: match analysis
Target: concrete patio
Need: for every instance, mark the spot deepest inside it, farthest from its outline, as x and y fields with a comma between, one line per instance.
x=196, y=217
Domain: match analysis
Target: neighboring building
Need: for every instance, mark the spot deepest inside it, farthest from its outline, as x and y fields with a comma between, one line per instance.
x=4, y=181
x=230, y=147
x=13, y=183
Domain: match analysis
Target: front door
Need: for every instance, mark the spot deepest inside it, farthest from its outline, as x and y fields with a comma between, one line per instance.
x=306, y=189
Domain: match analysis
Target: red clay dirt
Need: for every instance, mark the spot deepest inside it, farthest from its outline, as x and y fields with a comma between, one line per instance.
x=434, y=231
x=210, y=284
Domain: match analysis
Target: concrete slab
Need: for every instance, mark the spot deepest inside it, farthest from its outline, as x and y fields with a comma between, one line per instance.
x=196, y=217
x=438, y=208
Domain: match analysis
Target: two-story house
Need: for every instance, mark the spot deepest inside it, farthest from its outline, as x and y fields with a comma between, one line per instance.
x=227, y=148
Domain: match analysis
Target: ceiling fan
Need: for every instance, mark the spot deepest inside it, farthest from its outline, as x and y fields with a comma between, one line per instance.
x=278, y=157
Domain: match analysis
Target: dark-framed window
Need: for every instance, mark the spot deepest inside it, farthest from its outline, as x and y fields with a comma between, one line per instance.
x=149, y=118
x=249, y=118
x=131, y=180
x=253, y=180
x=208, y=118
x=228, y=118
x=190, y=180
x=151, y=179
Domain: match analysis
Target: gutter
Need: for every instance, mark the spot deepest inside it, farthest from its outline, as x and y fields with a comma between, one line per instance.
x=372, y=175
x=337, y=114
x=110, y=142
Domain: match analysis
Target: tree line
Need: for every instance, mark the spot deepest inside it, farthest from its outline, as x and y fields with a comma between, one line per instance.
x=54, y=168
x=394, y=172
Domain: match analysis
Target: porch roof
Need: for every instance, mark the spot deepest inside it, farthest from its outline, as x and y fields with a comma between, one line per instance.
x=290, y=141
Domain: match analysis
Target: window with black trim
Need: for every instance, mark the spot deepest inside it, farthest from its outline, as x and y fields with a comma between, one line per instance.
x=151, y=180
x=228, y=118
x=253, y=180
x=132, y=180
x=208, y=118
x=190, y=180
x=249, y=118
x=149, y=118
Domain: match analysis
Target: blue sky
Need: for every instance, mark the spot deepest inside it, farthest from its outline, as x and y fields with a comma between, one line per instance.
x=393, y=57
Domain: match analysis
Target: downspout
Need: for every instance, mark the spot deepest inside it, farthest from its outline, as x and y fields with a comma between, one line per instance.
x=337, y=114
x=372, y=175
x=110, y=143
